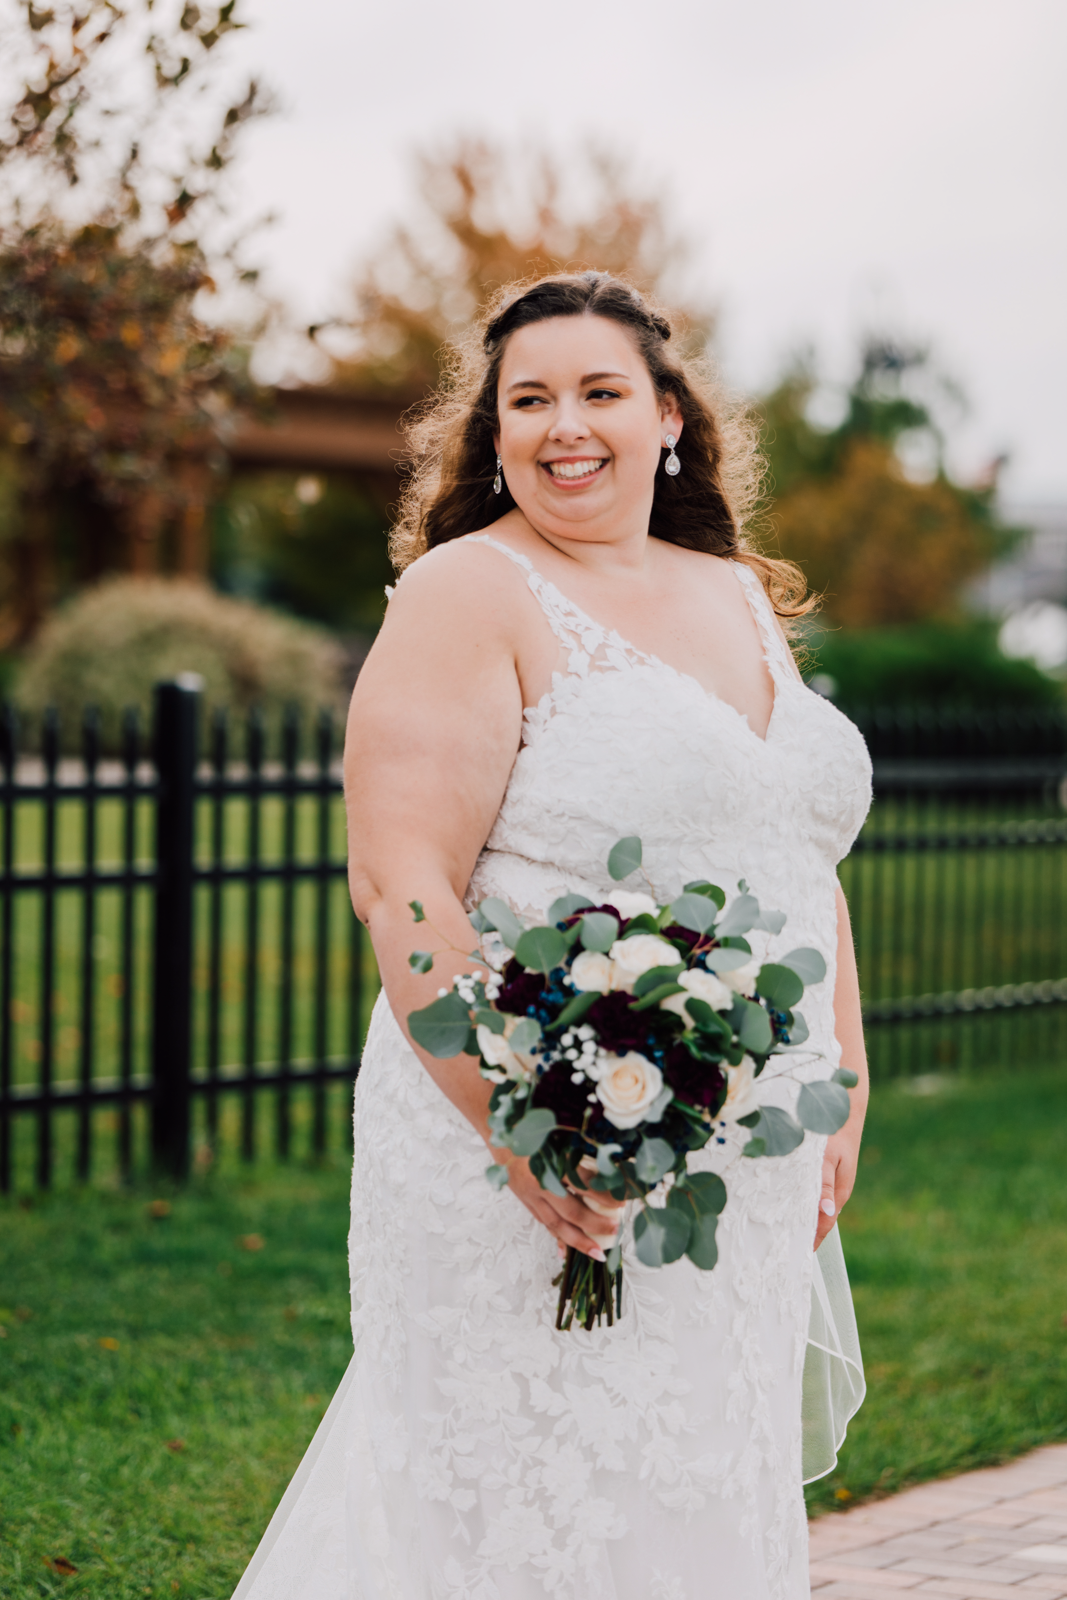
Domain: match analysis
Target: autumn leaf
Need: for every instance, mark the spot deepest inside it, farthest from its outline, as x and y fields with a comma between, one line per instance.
x=108, y=1344
x=251, y=1241
x=158, y=1208
x=176, y=1446
x=61, y=1565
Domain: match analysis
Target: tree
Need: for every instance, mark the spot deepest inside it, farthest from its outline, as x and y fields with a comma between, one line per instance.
x=487, y=221
x=113, y=384
x=882, y=545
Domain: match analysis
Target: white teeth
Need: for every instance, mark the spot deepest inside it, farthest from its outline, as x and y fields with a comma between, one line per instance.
x=574, y=469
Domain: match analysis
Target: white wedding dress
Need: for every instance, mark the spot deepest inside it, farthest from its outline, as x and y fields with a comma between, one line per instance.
x=471, y=1451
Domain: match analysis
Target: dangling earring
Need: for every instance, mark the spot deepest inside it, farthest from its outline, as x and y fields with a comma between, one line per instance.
x=498, y=481
x=672, y=466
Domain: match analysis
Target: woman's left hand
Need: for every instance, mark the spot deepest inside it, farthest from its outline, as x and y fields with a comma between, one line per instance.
x=839, y=1162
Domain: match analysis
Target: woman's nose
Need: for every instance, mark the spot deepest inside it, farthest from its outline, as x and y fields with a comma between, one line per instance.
x=568, y=422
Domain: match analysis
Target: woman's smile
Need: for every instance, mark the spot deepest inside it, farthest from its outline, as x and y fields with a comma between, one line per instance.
x=570, y=472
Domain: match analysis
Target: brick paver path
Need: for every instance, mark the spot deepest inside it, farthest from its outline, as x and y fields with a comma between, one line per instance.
x=1000, y=1534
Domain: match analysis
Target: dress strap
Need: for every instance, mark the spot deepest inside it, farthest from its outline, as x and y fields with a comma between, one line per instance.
x=588, y=642
x=775, y=650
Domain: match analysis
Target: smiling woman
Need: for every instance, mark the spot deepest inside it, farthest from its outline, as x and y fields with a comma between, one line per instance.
x=581, y=649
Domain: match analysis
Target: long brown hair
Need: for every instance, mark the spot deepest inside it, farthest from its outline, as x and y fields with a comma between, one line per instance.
x=451, y=455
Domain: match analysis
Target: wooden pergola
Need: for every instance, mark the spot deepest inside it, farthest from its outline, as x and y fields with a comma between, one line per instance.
x=305, y=430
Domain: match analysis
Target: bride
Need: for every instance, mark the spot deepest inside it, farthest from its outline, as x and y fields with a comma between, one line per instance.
x=581, y=647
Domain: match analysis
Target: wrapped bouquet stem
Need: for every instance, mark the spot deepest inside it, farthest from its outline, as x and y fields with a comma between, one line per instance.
x=620, y=1039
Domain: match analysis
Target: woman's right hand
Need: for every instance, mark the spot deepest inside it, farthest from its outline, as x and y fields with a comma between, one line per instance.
x=569, y=1220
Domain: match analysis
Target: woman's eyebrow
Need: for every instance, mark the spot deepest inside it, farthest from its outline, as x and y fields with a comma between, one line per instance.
x=589, y=377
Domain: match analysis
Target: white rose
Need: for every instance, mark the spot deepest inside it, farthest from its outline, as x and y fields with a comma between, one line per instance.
x=701, y=986
x=495, y=1049
x=741, y=1099
x=743, y=979
x=591, y=970
x=627, y=1085
x=632, y=957
x=628, y=904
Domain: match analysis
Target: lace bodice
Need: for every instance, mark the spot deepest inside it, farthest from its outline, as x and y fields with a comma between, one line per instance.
x=623, y=744
x=474, y=1453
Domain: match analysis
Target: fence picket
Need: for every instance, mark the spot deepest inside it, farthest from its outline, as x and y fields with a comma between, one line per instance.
x=223, y=975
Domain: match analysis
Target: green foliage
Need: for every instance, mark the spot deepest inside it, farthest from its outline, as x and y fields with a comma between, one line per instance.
x=156, y=1465
x=867, y=507
x=442, y=1027
x=624, y=857
x=956, y=662
x=315, y=545
x=598, y=930
x=109, y=646
x=956, y=1244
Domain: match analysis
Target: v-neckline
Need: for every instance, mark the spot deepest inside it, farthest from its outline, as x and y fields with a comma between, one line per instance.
x=613, y=637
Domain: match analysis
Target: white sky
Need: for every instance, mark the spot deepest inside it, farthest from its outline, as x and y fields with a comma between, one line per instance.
x=840, y=165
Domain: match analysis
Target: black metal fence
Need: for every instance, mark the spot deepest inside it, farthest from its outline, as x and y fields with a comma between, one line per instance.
x=182, y=979
x=181, y=974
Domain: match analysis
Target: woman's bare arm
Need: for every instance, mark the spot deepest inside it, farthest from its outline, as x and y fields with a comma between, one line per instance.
x=433, y=731
x=842, y=1148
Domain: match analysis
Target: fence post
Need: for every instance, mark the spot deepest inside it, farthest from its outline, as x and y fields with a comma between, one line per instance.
x=177, y=718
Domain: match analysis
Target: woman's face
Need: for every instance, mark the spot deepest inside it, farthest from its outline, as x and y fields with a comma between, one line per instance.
x=581, y=427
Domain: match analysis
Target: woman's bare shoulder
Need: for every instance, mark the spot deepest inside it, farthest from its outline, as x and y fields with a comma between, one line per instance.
x=463, y=574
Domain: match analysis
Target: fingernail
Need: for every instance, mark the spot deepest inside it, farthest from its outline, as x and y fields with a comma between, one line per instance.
x=828, y=1208
x=598, y=1254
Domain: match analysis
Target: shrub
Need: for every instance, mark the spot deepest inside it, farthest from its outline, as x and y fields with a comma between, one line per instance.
x=113, y=643
x=959, y=662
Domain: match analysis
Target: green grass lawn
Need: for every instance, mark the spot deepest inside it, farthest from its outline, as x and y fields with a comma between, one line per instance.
x=956, y=1241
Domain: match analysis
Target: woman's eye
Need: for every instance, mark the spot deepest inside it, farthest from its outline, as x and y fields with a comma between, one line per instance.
x=603, y=394
x=525, y=401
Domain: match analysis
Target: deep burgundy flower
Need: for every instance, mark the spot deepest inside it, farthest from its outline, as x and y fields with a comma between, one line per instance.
x=555, y=1092
x=619, y=1029
x=521, y=989
x=700, y=1083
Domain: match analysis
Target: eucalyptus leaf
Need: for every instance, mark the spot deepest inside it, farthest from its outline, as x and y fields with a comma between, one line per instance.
x=798, y=1030
x=604, y=1164
x=525, y=1035
x=660, y=1104
x=846, y=1077
x=780, y=985
x=654, y=977
x=694, y=911
x=770, y=921
x=419, y=913
x=702, y=1249
x=485, y=1017
x=497, y=1175
x=478, y=922
x=421, y=961
x=708, y=1190
x=541, y=949
x=654, y=996
x=742, y=915
x=725, y=959
x=755, y=1031
x=823, y=1107
x=566, y=906
x=778, y=1131
x=702, y=886
x=624, y=857
x=598, y=931
x=549, y=1179
x=654, y=1158
x=529, y=1135
x=706, y=1018
x=442, y=1028
x=576, y=1009
x=660, y=1235
x=808, y=964
x=613, y=1259
x=499, y=915
x=755, y=1147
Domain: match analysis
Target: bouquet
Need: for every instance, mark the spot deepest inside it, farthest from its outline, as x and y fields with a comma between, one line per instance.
x=619, y=1039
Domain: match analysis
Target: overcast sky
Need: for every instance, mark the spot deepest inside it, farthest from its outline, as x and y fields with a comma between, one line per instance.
x=840, y=165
